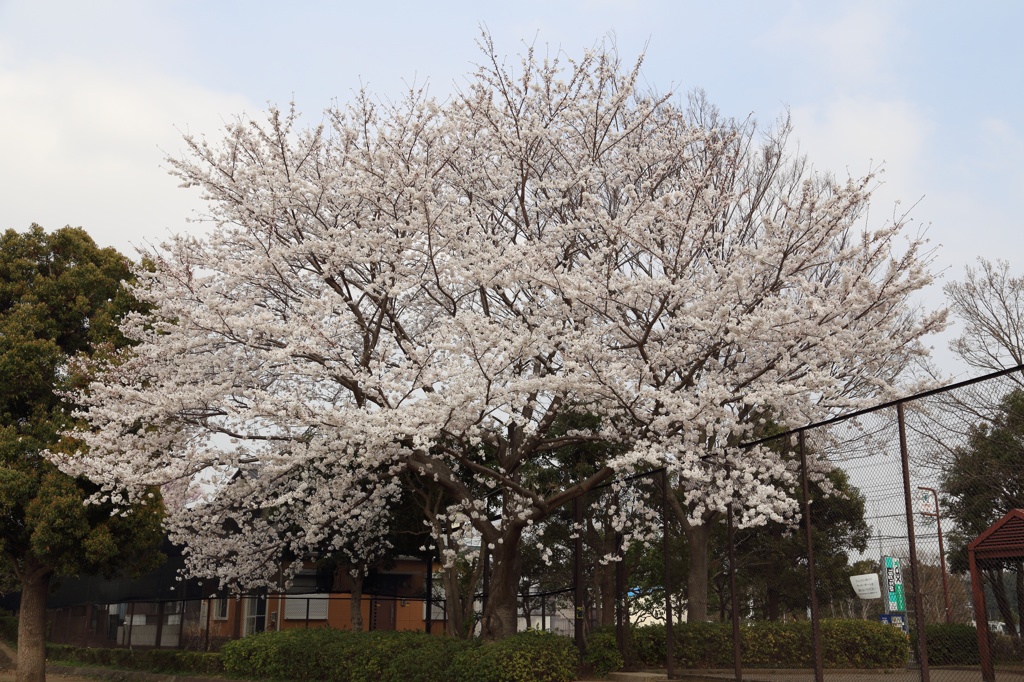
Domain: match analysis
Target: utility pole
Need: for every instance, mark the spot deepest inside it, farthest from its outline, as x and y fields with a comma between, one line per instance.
x=942, y=551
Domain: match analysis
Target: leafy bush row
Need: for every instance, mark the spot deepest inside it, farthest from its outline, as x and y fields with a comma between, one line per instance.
x=955, y=644
x=845, y=644
x=154, y=660
x=345, y=656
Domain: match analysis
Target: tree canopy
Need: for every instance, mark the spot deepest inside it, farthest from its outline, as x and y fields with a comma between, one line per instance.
x=425, y=286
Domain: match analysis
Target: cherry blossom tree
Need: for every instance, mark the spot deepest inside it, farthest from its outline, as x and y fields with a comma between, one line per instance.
x=423, y=287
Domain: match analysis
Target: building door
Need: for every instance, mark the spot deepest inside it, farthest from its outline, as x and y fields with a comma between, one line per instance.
x=382, y=613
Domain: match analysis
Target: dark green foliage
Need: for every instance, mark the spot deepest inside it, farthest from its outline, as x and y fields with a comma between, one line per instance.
x=342, y=656
x=531, y=656
x=958, y=645
x=951, y=644
x=8, y=627
x=61, y=297
x=1007, y=649
x=153, y=660
x=602, y=655
x=863, y=644
x=846, y=644
x=649, y=644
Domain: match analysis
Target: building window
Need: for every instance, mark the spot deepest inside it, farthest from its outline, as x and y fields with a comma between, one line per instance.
x=306, y=606
x=220, y=609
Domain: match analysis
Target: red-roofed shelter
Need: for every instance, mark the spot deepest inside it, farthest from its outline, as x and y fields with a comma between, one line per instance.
x=1002, y=541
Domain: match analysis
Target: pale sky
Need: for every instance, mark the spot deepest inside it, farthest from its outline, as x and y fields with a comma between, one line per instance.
x=94, y=94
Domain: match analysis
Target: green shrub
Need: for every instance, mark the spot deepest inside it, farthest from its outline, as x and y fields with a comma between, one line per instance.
x=342, y=656
x=845, y=644
x=649, y=645
x=703, y=645
x=951, y=644
x=314, y=654
x=1007, y=649
x=154, y=660
x=863, y=644
x=426, y=658
x=532, y=656
x=602, y=655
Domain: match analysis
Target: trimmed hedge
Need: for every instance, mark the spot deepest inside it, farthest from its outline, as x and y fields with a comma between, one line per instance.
x=950, y=644
x=153, y=660
x=345, y=656
x=845, y=644
x=958, y=645
x=602, y=655
x=531, y=656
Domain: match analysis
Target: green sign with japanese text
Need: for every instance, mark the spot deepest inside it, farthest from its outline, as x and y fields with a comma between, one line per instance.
x=894, y=584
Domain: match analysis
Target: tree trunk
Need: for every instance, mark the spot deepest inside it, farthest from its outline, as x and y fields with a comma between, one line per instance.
x=697, y=577
x=356, y=602
x=35, y=585
x=499, y=619
x=452, y=602
x=772, y=603
x=606, y=588
x=995, y=579
x=528, y=610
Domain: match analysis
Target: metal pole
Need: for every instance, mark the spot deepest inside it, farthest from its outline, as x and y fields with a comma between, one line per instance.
x=922, y=643
x=131, y=623
x=669, y=653
x=942, y=552
x=181, y=622
x=736, y=655
x=159, y=624
x=737, y=661
x=485, y=558
x=430, y=591
x=819, y=667
x=620, y=597
x=578, y=591
x=988, y=673
x=209, y=613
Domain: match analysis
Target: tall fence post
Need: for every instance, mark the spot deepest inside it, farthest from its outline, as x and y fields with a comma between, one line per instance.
x=131, y=623
x=819, y=667
x=430, y=591
x=206, y=635
x=988, y=673
x=737, y=661
x=922, y=645
x=620, y=589
x=578, y=592
x=669, y=653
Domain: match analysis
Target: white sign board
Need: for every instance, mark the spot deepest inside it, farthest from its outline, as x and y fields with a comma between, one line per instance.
x=866, y=586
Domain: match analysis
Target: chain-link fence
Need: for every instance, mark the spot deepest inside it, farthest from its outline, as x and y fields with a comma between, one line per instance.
x=896, y=499
x=205, y=624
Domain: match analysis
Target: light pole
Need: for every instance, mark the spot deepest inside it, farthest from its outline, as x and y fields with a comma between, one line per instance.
x=942, y=551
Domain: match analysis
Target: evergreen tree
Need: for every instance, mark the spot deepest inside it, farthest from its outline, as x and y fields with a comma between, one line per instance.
x=60, y=297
